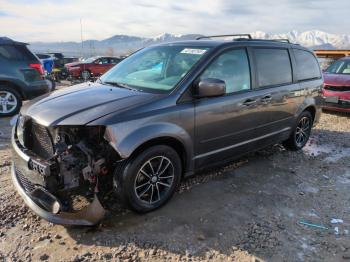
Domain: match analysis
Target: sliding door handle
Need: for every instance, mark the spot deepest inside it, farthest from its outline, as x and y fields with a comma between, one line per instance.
x=249, y=102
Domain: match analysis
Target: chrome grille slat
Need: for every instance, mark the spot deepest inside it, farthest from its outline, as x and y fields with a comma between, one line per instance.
x=41, y=141
x=337, y=88
x=26, y=184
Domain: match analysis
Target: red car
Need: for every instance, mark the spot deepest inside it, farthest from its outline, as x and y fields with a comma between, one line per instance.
x=336, y=91
x=91, y=67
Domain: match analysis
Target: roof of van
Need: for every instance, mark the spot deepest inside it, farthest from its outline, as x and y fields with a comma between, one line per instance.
x=8, y=41
x=240, y=41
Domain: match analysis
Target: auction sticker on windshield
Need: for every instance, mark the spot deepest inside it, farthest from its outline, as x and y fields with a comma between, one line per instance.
x=193, y=51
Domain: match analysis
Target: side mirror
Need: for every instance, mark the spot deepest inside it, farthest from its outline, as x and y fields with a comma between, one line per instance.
x=210, y=87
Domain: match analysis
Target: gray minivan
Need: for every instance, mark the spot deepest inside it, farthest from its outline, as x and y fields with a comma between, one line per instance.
x=162, y=114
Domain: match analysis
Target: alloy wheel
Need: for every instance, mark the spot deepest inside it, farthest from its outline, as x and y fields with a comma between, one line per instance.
x=302, y=131
x=8, y=102
x=154, y=179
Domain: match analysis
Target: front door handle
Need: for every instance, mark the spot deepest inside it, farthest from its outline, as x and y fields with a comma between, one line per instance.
x=249, y=102
x=266, y=99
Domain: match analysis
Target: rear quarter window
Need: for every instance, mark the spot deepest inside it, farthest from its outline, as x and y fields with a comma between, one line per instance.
x=16, y=52
x=307, y=65
x=273, y=66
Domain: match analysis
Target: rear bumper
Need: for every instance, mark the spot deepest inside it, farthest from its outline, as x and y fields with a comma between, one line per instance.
x=37, y=88
x=38, y=199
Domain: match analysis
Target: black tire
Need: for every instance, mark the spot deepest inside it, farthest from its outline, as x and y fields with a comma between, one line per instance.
x=13, y=98
x=132, y=183
x=52, y=83
x=301, y=132
x=85, y=75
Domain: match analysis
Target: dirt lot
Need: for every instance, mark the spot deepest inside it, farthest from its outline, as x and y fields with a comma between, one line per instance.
x=249, y=210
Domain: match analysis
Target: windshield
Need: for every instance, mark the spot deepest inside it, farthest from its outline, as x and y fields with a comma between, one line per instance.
x=339, y=67
x=157, y=68
x=90, y=60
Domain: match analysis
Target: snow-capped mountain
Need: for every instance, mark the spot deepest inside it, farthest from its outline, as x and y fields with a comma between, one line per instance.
x=312, y=39
x=122, y=44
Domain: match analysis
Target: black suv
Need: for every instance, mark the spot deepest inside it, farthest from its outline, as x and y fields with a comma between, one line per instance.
x=162, y=114
x=21, y=76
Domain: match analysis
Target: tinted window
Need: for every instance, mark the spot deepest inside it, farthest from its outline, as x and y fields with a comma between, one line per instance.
x=231, y=67
x=41, y=56
x=113, y=60
x=307, y=65
x=274, y=67
x=102, y=61
x=16, y=52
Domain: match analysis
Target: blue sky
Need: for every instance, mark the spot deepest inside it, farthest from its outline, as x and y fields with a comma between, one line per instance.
x=35, y=20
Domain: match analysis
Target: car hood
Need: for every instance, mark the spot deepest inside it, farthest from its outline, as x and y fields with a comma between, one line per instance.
x=73, y=64
x=83, y=103
x=336, y=79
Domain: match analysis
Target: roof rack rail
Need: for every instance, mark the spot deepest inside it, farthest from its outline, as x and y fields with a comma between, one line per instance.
x=248, y=36
x=281, y=40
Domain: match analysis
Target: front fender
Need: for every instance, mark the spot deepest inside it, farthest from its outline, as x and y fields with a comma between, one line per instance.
x=125, y=139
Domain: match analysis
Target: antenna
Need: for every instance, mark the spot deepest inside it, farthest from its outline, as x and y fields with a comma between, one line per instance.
x=82, y=47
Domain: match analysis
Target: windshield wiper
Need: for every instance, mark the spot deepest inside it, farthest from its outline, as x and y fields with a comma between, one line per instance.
x=122, y=85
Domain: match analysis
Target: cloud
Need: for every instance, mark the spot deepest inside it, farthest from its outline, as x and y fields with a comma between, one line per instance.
x=36, y=20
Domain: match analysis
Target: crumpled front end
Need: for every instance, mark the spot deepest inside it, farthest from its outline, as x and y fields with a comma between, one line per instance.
x=62, y=172
x=336, y=98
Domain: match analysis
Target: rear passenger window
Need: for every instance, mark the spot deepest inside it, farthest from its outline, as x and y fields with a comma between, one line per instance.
x=15, y=52
x=273, y=66
x=231, y=67
x=307, y=65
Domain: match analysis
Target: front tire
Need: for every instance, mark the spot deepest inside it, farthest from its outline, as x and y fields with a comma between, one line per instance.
x=301, y=132
x=148, y=180
x=85, y=75
x=10, y=101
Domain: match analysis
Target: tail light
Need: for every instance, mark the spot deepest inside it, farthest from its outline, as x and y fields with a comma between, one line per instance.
x=38, y=67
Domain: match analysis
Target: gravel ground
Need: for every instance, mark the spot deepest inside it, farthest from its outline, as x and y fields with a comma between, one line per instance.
x=250, y=210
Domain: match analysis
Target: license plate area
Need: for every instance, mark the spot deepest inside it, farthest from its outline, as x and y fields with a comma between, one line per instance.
x=40, y=167
x=332, y=99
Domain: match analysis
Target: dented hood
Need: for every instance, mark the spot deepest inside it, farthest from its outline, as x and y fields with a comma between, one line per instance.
x=83, y=103
x=336, y=79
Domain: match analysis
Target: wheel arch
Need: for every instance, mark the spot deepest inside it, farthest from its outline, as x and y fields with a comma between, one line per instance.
x=167, y=141
x=132, y=143
x=16, y=87
x=312, y=110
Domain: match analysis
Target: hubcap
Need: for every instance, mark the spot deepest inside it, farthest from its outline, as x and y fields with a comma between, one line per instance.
x=8, y=102
x=154, y=179
x=85, y=74
x=302, y=131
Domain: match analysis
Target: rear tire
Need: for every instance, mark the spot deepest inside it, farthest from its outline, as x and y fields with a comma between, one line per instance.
x=148, y=180
x=301, y=132
x=85, y=75
x=10, y=101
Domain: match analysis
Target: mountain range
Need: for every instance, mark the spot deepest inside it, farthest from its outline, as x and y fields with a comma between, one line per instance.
x=124, y=44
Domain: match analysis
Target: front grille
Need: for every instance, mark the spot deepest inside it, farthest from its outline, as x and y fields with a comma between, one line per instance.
x=26, y=184
x=337, y=88
x=344, y=102
x=39, y=140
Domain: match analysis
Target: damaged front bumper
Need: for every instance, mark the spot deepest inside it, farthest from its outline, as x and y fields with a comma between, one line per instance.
x=45, y=204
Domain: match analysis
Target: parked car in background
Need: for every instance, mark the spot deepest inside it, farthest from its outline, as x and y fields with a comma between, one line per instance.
x=48, y=64
x=91, y=67
x=62, y=72
x=164, y=113
x=47, y=61
x=21, y=76
x=336, y=91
